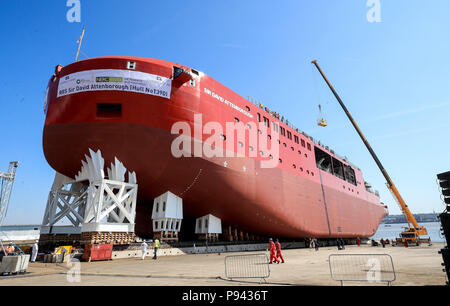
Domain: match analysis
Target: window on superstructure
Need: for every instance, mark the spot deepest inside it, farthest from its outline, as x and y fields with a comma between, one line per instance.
x=296, y=138
x=192, y=82
x=289, y=135
x=275, y=126
x=338, y=168
x=303, y=143
x=194, y=71
x=266, y=122
x=323, y=160
x=157, y=206
x=350, y=175
x=236, y=120
x=309, y=146
x=258, y=115
x=282, y=131
x=247, y=108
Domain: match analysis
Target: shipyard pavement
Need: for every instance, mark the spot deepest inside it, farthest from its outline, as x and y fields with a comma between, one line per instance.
x=419, y=266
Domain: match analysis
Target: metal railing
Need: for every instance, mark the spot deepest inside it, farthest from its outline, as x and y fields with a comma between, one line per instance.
x=247, y=266
x=372, y=268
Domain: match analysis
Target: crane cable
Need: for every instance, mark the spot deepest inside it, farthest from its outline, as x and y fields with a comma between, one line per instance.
x=316, y=89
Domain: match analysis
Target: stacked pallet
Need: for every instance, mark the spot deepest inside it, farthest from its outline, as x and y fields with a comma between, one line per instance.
x=166, y=236
x=115, y=238
x=66, y=239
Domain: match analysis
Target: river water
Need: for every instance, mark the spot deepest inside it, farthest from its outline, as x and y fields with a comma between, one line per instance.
x=393, y=230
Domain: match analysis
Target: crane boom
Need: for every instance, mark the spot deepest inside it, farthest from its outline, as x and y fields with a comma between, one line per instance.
x=414, y=227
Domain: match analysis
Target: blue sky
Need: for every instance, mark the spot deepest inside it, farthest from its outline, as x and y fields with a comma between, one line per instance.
x=393, y=75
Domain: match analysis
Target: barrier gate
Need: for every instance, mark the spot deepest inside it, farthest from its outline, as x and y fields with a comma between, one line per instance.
x=372, y=268
x=247, y=266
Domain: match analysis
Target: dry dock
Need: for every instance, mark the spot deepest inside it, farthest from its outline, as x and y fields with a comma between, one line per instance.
x=419, y=266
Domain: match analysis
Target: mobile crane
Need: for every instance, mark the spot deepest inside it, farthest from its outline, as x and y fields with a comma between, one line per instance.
x=413, y=234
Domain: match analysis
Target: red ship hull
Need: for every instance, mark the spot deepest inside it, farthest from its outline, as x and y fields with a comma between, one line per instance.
x=280, y=201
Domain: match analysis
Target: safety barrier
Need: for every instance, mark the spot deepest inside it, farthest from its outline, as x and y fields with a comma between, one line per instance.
x=247, y=266
x=372, y=268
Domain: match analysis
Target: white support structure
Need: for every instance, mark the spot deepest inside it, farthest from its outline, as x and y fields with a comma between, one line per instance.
x=66, y=201
x=208, y=224
x=111, y=207
x=91, y=202
x=167, y=214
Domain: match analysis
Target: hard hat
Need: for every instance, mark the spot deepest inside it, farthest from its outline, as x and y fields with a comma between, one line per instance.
x=270, y=239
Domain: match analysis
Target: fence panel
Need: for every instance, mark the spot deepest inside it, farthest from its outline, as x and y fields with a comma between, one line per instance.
x=372, y=268
x=247, y=266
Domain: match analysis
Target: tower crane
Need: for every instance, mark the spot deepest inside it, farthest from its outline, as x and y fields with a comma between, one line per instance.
x=413, y=233
x=6, y=181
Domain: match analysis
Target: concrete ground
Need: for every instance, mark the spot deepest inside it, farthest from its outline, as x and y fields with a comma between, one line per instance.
x=420, y=266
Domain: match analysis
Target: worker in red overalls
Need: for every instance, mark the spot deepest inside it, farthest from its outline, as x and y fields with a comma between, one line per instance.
x=272, y=252
x=278, y=247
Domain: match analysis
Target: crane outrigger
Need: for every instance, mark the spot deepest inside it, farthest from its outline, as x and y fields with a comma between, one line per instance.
x=413, y=234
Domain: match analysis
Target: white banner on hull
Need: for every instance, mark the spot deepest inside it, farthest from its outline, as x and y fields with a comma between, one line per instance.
x=115, y=79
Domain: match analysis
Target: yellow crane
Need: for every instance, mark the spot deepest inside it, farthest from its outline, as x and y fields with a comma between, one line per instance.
x=414, y=233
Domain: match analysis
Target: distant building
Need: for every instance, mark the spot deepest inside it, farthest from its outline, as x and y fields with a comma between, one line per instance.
x=430, y=217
